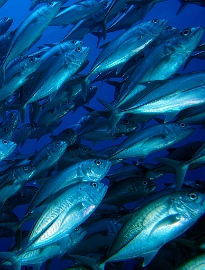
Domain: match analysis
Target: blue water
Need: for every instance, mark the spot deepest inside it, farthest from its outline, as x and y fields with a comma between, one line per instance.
x=191, y=16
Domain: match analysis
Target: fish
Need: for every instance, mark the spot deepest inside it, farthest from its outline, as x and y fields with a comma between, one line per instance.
x=77, y=12
x=178, y=211
x=5, y=24
x=125, y=46
x=35, y=23
x=34, y=3
x=151, y=139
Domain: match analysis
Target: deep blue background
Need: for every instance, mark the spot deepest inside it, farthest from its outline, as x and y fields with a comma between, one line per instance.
x=191, y=16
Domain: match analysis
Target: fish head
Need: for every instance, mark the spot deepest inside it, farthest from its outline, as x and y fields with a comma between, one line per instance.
x=85, y=150
x=27, y=128
x=125, y=126
x=70, y=44
x=69, y=135
x=78, y=55
x=57, y=147
x=30, y=64
x=95, y=192
x=189, y=203
x=95, y=169
x=23, y=172
x=189, y=39
x=49, y=10
x=143, y=186
x=12, y=120
x=154, y=27
x=7, y=21
x=179, y=130
x=77, y=234
x=5, y=130
x=7, y=146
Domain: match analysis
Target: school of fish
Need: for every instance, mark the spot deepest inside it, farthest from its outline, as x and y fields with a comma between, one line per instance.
x=101, y=209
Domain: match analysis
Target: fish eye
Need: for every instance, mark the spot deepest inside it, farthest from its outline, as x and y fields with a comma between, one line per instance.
x=66, y=102
x=11, y=114
x=169, y=28
x=73, y=41
x=5, y=129
x=144, y=183
x=5, y=142
x=6, y=18
x=77, y=229
x=25, y=168
x=155, y=20
x=85, y=149
x=57, y=143
x=126, y=122
x=182, y=125
x=31, y=60
x=186, y=32
x=50, y=4
x=90, y=88
x=94, y=185
x=193, y=196
x=78, y=49
x=68, y=132
x=98, y=162
x=28, y=126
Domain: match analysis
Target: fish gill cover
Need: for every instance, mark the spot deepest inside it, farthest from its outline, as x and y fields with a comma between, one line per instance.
x=102, y=134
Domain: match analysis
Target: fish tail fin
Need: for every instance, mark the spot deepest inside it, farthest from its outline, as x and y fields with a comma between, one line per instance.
x=116, y=115
x=180, y=168
x=182, y=6
x=93, y=263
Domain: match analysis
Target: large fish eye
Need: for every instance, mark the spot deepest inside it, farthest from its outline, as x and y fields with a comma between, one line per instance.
x=144, y=183
x=50, y=4
x=98, y=162
x=126, y=122
x=25, y=168
x=182, y=125
x=155, y=20
x=57, y=143
x=5, y=142
x=186, y=32
x=94, y=185
x=193, y=196
x=78, y=49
